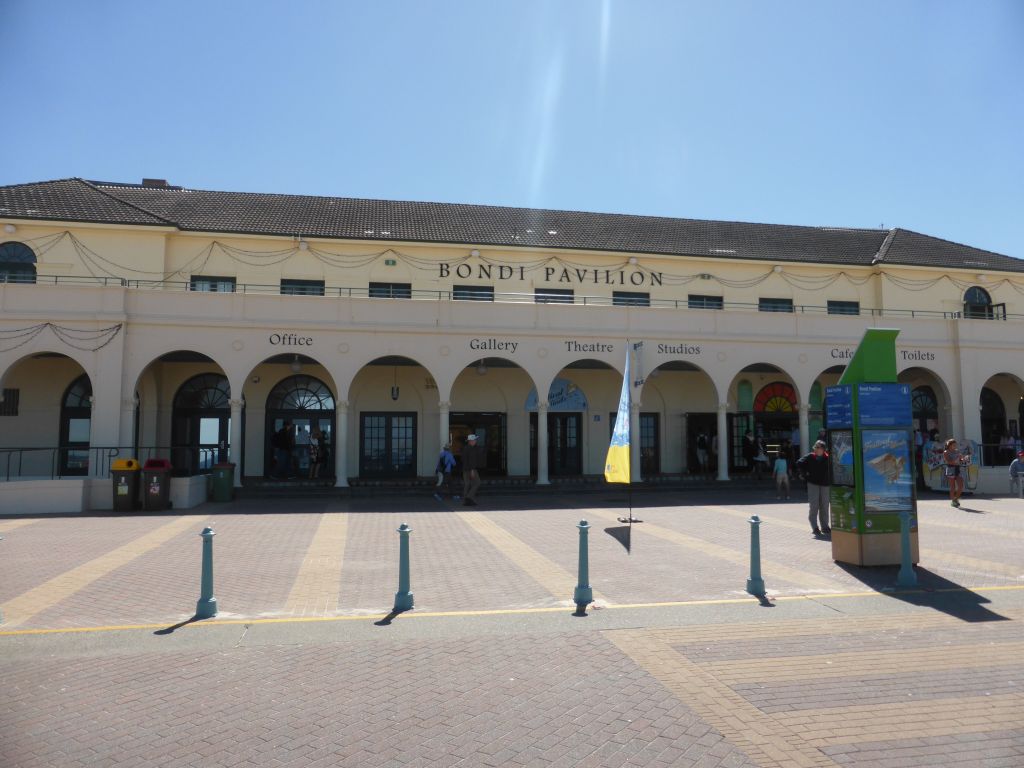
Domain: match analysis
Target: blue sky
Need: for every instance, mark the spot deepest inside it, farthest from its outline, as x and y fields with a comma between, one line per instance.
x=856, y=114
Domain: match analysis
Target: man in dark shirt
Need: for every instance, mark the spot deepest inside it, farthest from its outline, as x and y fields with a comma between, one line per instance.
x=814, y=468
x=472, y=460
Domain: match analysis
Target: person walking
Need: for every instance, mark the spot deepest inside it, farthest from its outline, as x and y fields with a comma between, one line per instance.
x=780, y=471
x=750, y=452
x=1017, y=473
x=953, y=460
x=445, y=465
x=316, y=453
x=702, y=451
x=814, y=468
x=472, y=460
x=284, y=443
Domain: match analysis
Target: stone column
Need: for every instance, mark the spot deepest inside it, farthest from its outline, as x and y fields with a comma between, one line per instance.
x=805, y=430
x=723, y=442
x=235, y=448
x=635, y=475
x=444, y=407
x=683, y=432
x=127, y=431
x=542, y=443
x=340, y=445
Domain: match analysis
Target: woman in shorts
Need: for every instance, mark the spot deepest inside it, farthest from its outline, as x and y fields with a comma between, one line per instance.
x=954, y=461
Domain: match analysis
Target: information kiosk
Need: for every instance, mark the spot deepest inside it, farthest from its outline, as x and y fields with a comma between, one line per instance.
x=871, y=451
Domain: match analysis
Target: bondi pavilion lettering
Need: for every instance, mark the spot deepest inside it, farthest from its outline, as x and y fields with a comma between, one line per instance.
x=580, y=275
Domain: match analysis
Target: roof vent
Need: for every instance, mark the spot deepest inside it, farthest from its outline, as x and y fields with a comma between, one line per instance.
x=155, y=183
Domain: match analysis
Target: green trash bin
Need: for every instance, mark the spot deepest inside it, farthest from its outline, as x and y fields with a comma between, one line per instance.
x=223, y=481
x=125, y=473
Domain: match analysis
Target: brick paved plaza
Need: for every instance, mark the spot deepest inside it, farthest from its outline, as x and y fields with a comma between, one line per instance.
x=674, y=666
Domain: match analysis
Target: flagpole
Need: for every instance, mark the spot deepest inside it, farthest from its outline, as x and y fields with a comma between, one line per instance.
x=629, y=488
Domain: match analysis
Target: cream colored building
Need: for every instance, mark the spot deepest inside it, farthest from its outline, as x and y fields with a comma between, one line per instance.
x=154, y=320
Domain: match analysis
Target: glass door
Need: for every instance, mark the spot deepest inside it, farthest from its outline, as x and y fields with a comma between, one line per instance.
x=565, y=449
x=387, y=445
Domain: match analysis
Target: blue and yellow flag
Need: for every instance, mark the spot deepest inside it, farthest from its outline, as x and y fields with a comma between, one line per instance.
x=616, y=466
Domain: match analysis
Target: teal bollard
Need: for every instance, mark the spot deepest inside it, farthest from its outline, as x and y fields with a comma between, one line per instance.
x=403, y=597
x=206, y=608
x=583, y=595
x=906, y=577
x=755, y=584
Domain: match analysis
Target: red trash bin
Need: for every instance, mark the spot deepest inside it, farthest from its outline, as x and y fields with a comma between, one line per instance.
x=156, y=485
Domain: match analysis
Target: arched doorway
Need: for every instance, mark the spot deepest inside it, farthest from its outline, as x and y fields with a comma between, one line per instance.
x=776, y=413
x=389, y=395
x=17, y=263
x=567, y=403
x=486, y=400
x=679, y=423
x=308, y=404
x=767, y=405
x=993, y=425
x=75, y=427
x=201, y=423
x=925, y=408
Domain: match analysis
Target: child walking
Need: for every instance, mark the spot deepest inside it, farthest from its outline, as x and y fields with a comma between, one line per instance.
x=781, y=474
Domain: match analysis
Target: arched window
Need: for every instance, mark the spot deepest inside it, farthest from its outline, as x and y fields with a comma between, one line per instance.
x=207, y=391
x=75, y=427
x=775, y=398
x=301, y=393
x=17, y=263
x=977, y=304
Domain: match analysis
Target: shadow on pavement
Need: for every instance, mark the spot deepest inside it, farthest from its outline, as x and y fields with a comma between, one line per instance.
x=932, y=591
x=622, y=534
x=386, y=621
x=171, y=629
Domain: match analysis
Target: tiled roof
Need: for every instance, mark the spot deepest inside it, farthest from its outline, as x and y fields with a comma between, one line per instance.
x=480, y=225
x=70, y=200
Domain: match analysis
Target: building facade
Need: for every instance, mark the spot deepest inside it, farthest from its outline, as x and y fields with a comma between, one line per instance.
x=155, y=320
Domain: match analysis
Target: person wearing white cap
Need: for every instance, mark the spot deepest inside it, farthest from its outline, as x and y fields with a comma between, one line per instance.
x=472, y=459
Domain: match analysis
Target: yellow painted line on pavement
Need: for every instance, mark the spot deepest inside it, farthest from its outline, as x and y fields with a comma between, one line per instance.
x=991, y=567
x=318, y=583
x=10, y=525
x=514, y=611
x=556, y=580
x=20, y=609
x=738, y=557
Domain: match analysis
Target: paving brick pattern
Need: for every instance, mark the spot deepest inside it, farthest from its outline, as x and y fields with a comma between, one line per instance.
x=691, y=552
x=575, y=702
x=942, y=686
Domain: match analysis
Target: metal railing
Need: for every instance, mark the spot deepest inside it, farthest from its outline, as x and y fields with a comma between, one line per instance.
x=507, y=297
x=52, y=462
